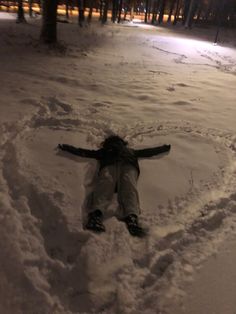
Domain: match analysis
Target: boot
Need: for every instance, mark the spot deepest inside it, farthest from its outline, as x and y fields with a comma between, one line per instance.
x=133, y=226
x=95, y=221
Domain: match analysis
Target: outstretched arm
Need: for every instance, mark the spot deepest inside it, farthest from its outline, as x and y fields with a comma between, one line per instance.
x=149, y=152
x=87, y=153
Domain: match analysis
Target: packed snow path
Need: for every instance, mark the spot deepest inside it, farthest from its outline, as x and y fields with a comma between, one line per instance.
x=150, y=87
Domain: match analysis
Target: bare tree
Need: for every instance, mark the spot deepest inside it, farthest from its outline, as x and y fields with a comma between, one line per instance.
x=67, y=9
x=132, y=2
x=115, y=9
x=90, y=5
x=177, y=10
x=81, y=17
x=20, y=13
x=155, y=10
x=199, y=10
x=162, y=7
x=208, y=10
x=120, y=10
x=146, y=11
x=30, y=8
x=49, y=26
x=190, y=14
x=172, y=6
x=104, y=11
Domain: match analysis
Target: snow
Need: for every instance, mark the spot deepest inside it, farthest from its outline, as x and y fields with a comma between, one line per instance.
x=213, y=286
x=153, y=86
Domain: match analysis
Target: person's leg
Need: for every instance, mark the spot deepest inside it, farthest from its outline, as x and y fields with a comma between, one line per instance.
x=127, y=190
x=101, y=197
x=128, y=198
x=104, y=189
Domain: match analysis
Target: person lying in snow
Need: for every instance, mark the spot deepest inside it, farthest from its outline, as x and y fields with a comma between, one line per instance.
x=119, y=172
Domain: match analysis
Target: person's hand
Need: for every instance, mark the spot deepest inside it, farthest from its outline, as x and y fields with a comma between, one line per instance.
x=167, y=147
x=62, y=146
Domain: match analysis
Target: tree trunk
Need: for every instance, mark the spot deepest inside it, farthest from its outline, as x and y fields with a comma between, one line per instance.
x=190, y=14
x=8, y=6
x=101, y=10
x=161, y=11
x=185, y=10
x=171, y=10
x=114, y=10
x=120, y=10
x=20, y=13
x=81, y=12
x=41, y=6
x=220, y=14
x=67, y=9
x=146, y=11
x=49, y=27
x=176, y=12
x=89, y=18
x=131, y=10
x=208, y=10
x=105, y=11
x=30, y=8
x=155, y=10
x=199, y=11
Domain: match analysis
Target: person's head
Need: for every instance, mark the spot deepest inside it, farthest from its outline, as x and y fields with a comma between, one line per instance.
x=113, y=141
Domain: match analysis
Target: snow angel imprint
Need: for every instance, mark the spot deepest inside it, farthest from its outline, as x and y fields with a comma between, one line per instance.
x=118, y=172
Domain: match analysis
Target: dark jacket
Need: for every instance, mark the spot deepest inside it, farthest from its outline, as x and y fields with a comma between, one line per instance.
x=108, y=157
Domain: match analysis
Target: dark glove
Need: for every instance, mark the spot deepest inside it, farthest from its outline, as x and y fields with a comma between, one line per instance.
x=63, y=146
x=167, y=147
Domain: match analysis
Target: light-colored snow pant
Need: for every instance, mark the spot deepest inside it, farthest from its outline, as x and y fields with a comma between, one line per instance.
x=124, y=177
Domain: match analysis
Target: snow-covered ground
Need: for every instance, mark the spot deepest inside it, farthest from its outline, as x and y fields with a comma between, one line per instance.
x=152, y=86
